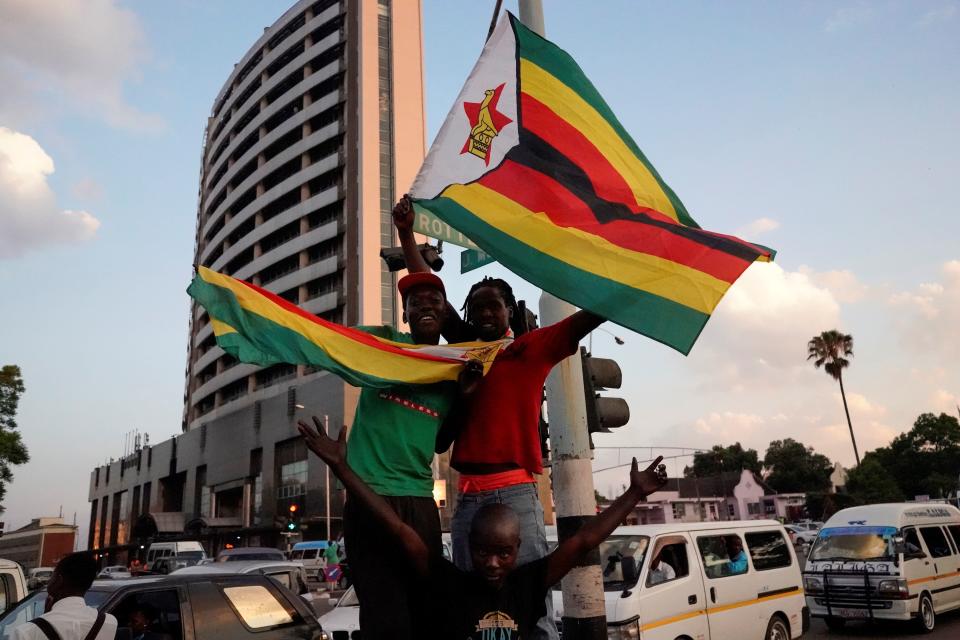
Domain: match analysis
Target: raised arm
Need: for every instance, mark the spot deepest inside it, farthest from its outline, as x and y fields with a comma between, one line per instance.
x=583, y=322
x=334, y=453
x=403, y=217
x=571, y=551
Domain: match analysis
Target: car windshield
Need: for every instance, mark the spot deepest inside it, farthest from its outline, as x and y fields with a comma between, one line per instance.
x=349, y=599
x=612, y=552
x=854, y=543
x=43, y=574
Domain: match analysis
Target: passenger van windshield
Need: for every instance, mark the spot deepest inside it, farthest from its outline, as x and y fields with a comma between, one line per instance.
x=612, y=552
x=854, y=543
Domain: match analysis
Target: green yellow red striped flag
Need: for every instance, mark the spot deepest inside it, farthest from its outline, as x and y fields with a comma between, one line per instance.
x=258, y=327
x=532, y=165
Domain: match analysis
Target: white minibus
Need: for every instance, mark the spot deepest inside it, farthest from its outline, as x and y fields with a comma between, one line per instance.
x=885, y=562
x=310, y=553
x=186, y=552
x=738, y=579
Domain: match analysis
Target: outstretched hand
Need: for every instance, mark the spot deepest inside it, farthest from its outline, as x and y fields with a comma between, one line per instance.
x=403, y=213
x=333, y=452
x=650, y=479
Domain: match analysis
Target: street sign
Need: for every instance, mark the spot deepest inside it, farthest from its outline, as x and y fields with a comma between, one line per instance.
x=471, y=259
x=430, y=225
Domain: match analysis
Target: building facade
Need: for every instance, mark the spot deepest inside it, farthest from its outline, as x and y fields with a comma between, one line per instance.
x=39, y=544
x=312, y=138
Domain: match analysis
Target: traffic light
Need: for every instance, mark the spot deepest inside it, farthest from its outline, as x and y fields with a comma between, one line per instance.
x=603, y=414
x=393, y=256
x=293, y=518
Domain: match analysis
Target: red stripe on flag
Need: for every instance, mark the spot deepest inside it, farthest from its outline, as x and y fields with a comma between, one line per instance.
x=353, y=334
x=538, y=192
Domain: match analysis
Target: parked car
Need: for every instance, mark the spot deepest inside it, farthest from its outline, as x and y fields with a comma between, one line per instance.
x=114, y=572
x=885, y=562
x=344, y=618
x=189, y=551
x=799, y=535
x=13, y=581
x=291, y=575
x=193, y=606
x=250, y=553
x=39, y=577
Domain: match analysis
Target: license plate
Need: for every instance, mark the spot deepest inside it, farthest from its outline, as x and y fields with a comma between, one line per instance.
x=853, y=613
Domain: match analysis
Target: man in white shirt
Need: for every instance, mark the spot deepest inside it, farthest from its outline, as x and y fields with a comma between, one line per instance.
x=67, y=616
x=660, y=571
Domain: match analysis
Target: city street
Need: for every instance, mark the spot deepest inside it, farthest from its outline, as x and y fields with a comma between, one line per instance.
x=948, y=626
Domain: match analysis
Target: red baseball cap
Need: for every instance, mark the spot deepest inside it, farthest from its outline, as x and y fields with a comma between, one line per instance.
x=412, y=280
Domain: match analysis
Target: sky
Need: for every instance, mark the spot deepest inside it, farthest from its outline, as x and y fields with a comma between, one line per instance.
x=827, y=130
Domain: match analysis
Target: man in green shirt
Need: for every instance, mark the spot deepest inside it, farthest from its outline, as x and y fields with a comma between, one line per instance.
x=391, y=448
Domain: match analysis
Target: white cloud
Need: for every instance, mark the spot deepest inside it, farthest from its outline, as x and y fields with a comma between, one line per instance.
x=928, y=316
x=87, y=189
x=758, y=227
x=937, y=15
x=59, y=54
x=759, y=332
x=843, y=284
x=29, y=214
x=848, y=17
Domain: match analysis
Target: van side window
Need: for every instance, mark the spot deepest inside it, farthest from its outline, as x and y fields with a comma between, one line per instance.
x=911, y=541
x=936, y=541
x=668, y=564
x=723, y=555
x=768, y=550
x=310, y=554
x=296, y=554
x=955, y=534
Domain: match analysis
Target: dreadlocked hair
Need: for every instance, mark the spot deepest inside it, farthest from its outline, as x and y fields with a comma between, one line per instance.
x=518, y=320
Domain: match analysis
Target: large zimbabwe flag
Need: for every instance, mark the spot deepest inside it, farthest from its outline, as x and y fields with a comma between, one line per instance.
x=532, y=166
x=258, y=327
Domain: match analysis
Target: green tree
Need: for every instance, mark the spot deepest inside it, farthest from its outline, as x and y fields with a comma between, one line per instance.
x=830, y=350
x=796, y=468
x=720, y=458
x=12, y=449
x=926, y=459
x=871, y=482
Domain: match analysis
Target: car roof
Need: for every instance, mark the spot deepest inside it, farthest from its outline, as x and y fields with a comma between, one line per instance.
x=240, y=566
x=163, y=581
x=311, y=544
x=681, y=527
x=239, y=551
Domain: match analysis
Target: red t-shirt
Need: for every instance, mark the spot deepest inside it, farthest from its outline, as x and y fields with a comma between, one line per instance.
x=502, y=424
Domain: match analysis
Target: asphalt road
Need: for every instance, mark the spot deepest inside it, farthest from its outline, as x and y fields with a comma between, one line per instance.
x=948, y=628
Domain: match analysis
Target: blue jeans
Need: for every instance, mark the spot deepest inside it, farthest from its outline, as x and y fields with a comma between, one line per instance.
x=523, y=499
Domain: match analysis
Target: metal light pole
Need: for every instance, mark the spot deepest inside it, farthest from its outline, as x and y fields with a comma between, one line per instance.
x=573, y=491
x=326, y=467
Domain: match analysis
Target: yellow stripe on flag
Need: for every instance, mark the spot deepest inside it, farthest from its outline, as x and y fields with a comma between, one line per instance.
x=363, y=358
x=587, y=252
x=569, y=106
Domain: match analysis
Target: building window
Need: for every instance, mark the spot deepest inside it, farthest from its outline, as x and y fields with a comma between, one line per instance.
x=753, y=508
x=731, y=511
x=205, y=501
x=769, y=508
x=256, y=472
x=293, y=480
x=387, y=187
x=679, y=510
x=121, y=517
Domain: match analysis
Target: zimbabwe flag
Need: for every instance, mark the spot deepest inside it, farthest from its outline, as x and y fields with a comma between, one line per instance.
x=532, y=166
x=259, y=327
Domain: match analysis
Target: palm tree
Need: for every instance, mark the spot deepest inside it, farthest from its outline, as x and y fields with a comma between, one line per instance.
x=829, y=350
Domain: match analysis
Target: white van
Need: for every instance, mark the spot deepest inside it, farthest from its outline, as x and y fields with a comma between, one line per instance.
x=737, y=579
x=13, y=585
x=310, y=553
x=885, y=562
x=186, y=552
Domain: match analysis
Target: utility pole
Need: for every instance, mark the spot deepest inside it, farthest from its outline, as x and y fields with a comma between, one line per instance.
x=326, y=427
x=584, y=609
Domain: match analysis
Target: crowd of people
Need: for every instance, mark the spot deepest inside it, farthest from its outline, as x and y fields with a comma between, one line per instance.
x=501, y=569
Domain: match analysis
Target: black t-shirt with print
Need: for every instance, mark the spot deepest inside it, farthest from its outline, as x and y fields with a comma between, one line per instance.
x=476, y=611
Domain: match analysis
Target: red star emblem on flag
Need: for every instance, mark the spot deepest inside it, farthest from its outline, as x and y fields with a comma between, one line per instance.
x=485, y=124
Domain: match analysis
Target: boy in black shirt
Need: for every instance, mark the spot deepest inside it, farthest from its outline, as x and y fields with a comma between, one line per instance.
x=497, y=600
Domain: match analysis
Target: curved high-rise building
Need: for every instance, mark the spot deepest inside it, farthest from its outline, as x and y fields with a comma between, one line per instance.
x=313, y=136
x=307, y=145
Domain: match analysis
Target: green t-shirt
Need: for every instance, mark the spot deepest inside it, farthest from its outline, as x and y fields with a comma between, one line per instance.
x=394, y=430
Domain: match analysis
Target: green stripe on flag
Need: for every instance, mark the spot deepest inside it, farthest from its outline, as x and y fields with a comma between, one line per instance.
x=673, y=324
x=274, y=344
x=564, y=68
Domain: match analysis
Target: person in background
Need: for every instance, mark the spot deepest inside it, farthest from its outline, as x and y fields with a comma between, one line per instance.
x=660, y=571
x=737, y=563
x=67, y=616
